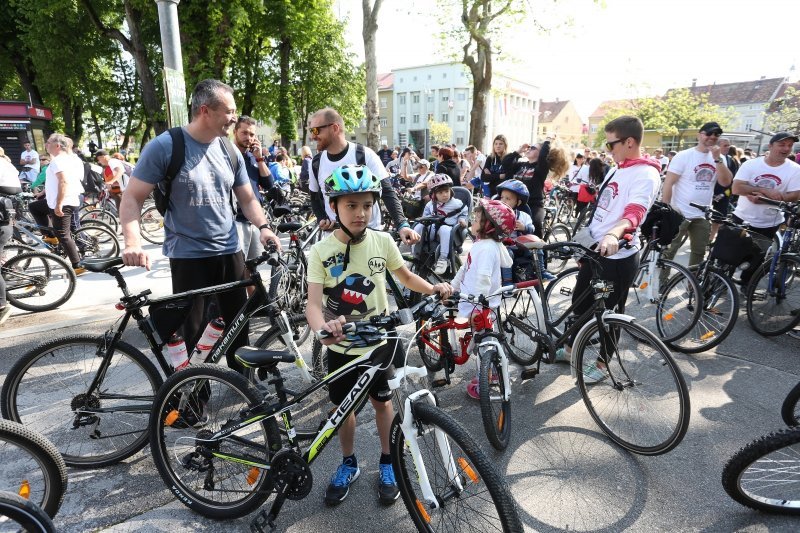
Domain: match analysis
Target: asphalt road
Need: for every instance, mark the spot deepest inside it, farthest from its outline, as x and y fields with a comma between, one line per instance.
x=564, y=473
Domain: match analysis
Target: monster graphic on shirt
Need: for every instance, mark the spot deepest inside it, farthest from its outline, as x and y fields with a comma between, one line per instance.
x=349, y=295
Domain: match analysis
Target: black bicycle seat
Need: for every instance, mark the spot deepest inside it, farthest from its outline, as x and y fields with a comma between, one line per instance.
x=287, y=227
x=252, y=357
x=101, y=265
x=280, y=210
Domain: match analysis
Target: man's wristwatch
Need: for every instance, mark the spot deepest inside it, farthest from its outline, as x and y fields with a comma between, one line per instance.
x=264, y=226
x=718, y=161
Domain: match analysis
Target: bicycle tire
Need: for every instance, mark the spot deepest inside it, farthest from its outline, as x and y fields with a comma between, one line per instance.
x=291, y=286
x=645, y=370
x=557, y=233
x=675, y=305
x=100, y=215
x=491, y=390
x=558, y=297
x=781, y=312
x=519, y=323
x=13, y=248
x=151, y=225
x=789, y=408
x=29, y=516
x=46, y=386
x=32, y=466
x=96, y=242
x=32, y=276
x=763, y=475
x=202, y=491
x=486, y=498
x=719, y=315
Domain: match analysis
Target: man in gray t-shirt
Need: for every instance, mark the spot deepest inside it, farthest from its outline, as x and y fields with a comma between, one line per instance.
x=200, y=236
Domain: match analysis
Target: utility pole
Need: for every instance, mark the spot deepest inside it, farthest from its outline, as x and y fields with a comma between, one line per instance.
x=174, y=83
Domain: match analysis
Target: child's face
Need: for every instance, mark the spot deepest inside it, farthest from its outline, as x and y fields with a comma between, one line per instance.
x=355, y=210
x=509, y=198
x=477, y=222
x=443, y=195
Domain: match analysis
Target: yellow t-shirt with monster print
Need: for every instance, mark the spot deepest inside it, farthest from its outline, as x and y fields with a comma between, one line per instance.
x=358, y=292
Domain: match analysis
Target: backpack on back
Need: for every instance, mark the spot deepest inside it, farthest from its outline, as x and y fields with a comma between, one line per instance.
x=92, y=181
x=361, y=159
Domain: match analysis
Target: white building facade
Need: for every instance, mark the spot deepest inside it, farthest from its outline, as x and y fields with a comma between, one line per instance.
x=443, y=93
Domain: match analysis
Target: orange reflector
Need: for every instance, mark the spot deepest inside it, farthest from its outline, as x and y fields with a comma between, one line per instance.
x=669, y=316
x=644, y=285
x=171, y=417
x=119, y=306
x=707, y=335
x=467, y=469
x=423, y=512
x=25, y=489
x=252, y=476
x=500, y=420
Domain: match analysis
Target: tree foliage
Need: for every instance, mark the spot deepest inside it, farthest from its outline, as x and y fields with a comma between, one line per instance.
x=784, y=113
x=440, y=132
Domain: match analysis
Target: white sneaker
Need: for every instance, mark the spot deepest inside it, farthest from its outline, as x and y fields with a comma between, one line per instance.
x=440, y=267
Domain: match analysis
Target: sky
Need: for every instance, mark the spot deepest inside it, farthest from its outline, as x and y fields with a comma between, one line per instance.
x=603, y=50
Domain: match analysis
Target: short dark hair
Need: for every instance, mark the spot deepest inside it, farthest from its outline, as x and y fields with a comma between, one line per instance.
x=434, y=147
x=206, y=93
x=279, y=158
x=244, y=119
x=626, y=126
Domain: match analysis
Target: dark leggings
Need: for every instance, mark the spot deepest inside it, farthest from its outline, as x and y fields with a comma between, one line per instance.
x=755, y=258
x=537, y=214
x=62, y=226
x=198, y=273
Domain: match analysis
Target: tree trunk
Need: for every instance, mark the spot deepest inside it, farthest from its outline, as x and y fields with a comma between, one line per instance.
x=286, y=121
x=369, y=29
x=66, y=114
x=27, y=78
x=97, y=132
x=153, y=105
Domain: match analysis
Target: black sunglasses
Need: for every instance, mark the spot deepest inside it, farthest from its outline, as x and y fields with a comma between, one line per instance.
x=610, y=144
x=712, y=133
x=315, y=130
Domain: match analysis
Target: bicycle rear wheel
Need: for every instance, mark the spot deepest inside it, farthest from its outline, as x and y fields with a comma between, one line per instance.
x=519, y=321
x=558, y=296
x=151, y=225
x=47, y=391
x=720, y=311
x=474, y=496
x=765, y=474
x=643, y=403
x=38, y=281
x=495, y=409
x=289, y=285
x=12, y=249
x=774, y=310
x=556, y=261
x=96, y=242
x=230, y=477
x=100, y=215
x=32, y=467
x=790, y=409
x=19, y=514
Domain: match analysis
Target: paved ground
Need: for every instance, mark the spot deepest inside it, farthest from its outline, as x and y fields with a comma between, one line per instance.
x=562, y=470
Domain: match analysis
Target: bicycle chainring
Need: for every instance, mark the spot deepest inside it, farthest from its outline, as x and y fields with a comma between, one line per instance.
x=288, y=467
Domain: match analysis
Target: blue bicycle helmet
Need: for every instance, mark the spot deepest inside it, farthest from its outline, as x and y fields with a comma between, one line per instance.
x=517, y=187
x=352, y=179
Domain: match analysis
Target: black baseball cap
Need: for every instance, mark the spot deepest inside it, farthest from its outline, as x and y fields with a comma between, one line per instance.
x=711, y=127
x=781, y=135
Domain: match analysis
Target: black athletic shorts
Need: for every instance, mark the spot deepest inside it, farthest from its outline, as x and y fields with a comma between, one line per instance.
x=338, y=389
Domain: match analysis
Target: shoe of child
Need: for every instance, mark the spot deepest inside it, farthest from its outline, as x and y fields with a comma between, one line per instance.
x=473, y=391
x=339, y=487
x=387, y=486
x=594, y=374
x=562, y=356
x=440, y=267
x=50, y=240
x=547, y=276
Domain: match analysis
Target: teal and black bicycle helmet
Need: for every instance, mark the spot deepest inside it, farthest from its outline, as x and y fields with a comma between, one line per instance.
x=352, y=179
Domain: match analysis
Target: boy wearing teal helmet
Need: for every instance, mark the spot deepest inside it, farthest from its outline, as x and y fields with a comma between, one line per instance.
x=346, y=282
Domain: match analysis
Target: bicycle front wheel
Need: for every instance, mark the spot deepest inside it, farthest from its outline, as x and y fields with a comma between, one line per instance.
x=471, y=493
x=790, y=410
x=38, y=281
x=151, y=225
x=557, y=261
x=558, y=297
x=495, y=408
x=32, y=467
x=519, y=321
x=773, y=297
x=96, y=241
x=642, y=402
x=48, y=391
x=765, y=474
x=226, y=478
x=25, y=514
x=291, y=287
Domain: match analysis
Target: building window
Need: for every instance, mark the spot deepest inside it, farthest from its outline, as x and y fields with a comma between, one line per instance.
x=445, y=117
x=353, y=138
x=401, y=100
x=384, y=123
x=430, y=117
x=460, y=139
x=384, y=102
x=460, y=117
x=415, y=118
x=385, y=140
x=402, y=119
x=429, y=76
x=445, y=95
x=401, y=80
x=429, y=97
x=748, y=123
x=594, y=128
x=461, y=96
x=444, y=74
x=414, y=98
x=415, y=78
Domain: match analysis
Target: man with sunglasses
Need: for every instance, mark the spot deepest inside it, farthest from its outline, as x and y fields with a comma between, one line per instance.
x=327, y=129
x=691, y=178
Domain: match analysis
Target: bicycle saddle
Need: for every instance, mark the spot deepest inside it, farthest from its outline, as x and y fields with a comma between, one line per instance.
x=280, y=210
x=252, y=357
x=101, y=265
x=287, y=227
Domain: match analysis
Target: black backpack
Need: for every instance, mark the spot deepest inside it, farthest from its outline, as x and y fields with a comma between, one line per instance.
x=177, y=159
x=668, y=219
x=361, y=159
x=92, y=181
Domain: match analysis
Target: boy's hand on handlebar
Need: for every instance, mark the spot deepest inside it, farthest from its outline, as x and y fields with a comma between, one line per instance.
x=334, y=327
x=445, y=290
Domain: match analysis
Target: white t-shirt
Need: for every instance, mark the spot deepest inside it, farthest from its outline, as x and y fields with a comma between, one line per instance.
x=72, y=167
x=757, y=173
x=633, y=185
x=32, y=154
x=572, y=175
x=483, y=259
x=9, y=176
x=697, y=175
x=326, y=168
x=664, y=160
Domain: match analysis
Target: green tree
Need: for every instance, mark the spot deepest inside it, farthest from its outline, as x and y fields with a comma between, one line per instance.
x=439, y=132
x=784, y=112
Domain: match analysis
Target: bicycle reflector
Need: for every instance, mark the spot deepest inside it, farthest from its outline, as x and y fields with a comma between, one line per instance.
x=171, y=417
x=119, y=306
x=423, y=512
x=467, y=469
x=252, y=476
x=25, y=490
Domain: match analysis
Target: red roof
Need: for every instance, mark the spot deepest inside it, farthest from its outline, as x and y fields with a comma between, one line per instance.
x=385, y=81
x=550, y=110
x=738, y=93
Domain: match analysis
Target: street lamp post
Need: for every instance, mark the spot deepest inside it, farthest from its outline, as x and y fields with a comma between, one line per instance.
x=170, y=34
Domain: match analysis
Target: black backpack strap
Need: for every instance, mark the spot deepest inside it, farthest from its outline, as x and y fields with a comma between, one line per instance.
x=178, y=155
x=361, y=156
x=315, y=166
x=233, y=158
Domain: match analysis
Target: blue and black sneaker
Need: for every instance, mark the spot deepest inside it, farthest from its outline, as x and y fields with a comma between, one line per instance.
x=340, y=483
x=387, y=486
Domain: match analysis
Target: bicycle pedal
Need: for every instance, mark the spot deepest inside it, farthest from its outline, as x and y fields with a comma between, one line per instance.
x=529, y=373
x=436, y=383
x=261, y=522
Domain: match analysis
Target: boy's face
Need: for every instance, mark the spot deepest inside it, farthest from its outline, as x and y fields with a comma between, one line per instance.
x=442, y=195
x=509, y=198
x=355, y=210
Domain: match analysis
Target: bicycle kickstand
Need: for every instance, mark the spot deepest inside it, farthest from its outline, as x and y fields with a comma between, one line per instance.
x=265, y=521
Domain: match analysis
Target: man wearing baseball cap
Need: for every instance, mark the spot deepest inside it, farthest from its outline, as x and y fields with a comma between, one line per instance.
x=773, y=176
x=690, y=178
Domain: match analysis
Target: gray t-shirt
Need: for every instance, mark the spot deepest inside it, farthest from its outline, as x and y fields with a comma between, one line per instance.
x=199, y=222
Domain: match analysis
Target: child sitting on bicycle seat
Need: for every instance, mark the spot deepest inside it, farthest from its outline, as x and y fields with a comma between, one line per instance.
x=346, y=282
x=480, y=273
x=444, y=204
